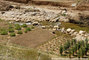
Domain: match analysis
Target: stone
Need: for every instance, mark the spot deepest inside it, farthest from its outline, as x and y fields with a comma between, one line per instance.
x=81, y=32
x=43, y=27
x=68, y=30
x=35, y=23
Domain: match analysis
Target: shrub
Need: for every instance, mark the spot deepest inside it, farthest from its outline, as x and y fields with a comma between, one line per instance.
x=12, y=34
x=10, y=26
x=20, y=32
x=25, y=31
x=28, y=29
x=11, y=30
x=24, y=25
x=4, y=32
x=32, y=27
x=17, y=27
x=61, y=50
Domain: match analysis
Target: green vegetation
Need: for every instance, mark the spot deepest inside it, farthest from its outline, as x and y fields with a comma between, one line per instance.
x=12, y=34
x=28, y=29
x=24, y=25
x=11, y=30
x=21, y=53
x=61, y=49
x=64, y=14
x=32, y=27
x=4, y=32
x=19, y=32
x=75, y=26
x=73, y=48
x=25, y=31
x=17, y=27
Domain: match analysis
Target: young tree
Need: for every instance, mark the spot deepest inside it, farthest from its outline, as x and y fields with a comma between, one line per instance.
x=61, y=49
x=75, y=48
x=70, y=53
x=79, y=53
x=82, y=51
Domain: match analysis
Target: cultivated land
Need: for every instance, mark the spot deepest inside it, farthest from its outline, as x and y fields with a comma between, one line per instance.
x=28, y=40
x=43, y=29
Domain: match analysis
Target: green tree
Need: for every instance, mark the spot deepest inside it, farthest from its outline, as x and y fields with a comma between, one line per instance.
x=70, y=53
x=79, y=53
x=61, y=49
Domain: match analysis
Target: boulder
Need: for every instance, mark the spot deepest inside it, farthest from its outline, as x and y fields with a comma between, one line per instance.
x=81, y=32
x=63, y=19
x=68, y=30
x=63, y=29
x=35, y=23
x=43, y=27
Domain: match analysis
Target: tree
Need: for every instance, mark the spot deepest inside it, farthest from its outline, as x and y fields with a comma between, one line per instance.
x=75, y=48
x=70, y=53
x=73, y=41
x=82, y=51
x=61, y=49
x=79, y=53
x=66, y=45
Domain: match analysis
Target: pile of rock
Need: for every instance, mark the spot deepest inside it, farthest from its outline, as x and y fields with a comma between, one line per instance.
x=30, y=15
x=81, y=35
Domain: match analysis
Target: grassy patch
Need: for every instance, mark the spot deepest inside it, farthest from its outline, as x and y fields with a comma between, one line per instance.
x=75, y=26
x=45, y=23
x=18, y=53
x=58, y=33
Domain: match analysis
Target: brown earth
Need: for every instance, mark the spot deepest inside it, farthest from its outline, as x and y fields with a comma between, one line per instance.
x=61, y=3
x=33, y=38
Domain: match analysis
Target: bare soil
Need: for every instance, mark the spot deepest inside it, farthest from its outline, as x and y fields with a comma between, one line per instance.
x=33, y=38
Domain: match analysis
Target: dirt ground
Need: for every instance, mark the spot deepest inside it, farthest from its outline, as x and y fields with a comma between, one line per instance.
x=33, y=38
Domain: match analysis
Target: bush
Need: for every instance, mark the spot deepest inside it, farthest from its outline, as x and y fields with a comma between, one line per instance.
x=4, y=32
x=32, y=27
x=25, y=31
x=17, y=27
x=11, y=30
x=28, y=29
x=20, y=32
x=24, y=25
x=12, y=34
x=10, y=26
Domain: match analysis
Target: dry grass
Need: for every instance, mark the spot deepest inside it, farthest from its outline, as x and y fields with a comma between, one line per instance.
x=19, y=53
x=74, y=26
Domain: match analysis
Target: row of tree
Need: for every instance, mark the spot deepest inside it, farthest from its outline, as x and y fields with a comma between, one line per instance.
x=73, y=47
